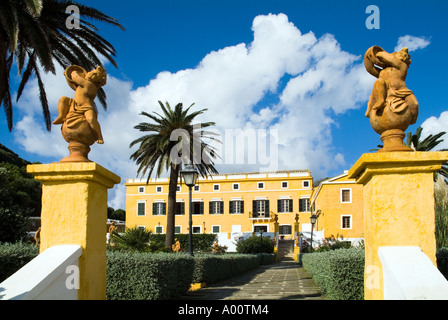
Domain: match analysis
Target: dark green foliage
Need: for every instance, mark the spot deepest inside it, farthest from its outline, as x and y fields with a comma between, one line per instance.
x=442, y=261
x=202, y=242
x=255, y=244
x=147, y=276
x=15, y=256
x=339, y=273
x=134, y=239
x=212, y=268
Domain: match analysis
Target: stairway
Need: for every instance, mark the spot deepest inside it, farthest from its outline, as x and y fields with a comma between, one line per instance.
x=285, y=250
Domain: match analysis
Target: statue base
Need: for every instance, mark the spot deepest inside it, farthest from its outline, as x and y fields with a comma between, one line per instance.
x=393, y=141
x=78, y=152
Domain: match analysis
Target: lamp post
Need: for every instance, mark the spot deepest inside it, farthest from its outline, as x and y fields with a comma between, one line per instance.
x=261, y=239
x=313, y=219
x=190, y=175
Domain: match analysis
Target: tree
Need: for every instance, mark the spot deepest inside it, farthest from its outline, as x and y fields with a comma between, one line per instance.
x=37, y=33
x=170, y=142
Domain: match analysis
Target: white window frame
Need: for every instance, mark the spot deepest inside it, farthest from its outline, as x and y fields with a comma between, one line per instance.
x=219, y=187
x=157, y=189
x=258, y=185
x=235, y=184
x=342, y=221
x=197, y=186
x=351, y=195
x=217, y=226
x=200, y=229
x=180, y=229
x=141, y=189
x=178, y=188
x=303, y=184
x=287, y=184
x=141, y=202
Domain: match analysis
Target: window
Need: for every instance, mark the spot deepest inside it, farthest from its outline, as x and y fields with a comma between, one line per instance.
x=159, y=208
x=159, y=189
x=196, y=188
x=346, y=195
x=159, y=229
x=216, y=229
x=260, y=208
x=304, y=205
x=257, y=229
x=236, y=207
x=285, y=229
x=216, y=187
x=141, y=189
x=346, y=222
x=284, y=184
x=216, y=207
x=236, y=186
x=178, y=189
x=306, y=184
x=284, y=205
x=180, y=208
x=196, y=229
x=260, y=185
x=141, y=208
x=177, y=229
x=198, y=207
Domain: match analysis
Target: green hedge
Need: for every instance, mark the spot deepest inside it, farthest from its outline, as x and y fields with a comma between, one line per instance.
x=255, y=244
x=147, y=276
x=15, y=256
x=339, y=273
x=214, y=268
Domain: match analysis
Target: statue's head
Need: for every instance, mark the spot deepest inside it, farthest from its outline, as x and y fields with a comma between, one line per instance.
x=97, y=76
x=403, y=55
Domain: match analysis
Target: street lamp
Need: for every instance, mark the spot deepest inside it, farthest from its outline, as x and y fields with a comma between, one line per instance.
x=190, y=176
x=261, y=239
x=313, y=219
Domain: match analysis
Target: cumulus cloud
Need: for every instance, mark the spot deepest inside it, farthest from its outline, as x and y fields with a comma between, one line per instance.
x=310, y=78
x=412, y=43
x=434, y=125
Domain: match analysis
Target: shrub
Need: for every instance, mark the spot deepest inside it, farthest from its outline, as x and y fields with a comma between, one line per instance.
x=132, y=239
x=211, y=268
x=255, y=245
x=339, y=273
x=442, y=261
x=202, y=242
x=147, y=276
x=15, y=256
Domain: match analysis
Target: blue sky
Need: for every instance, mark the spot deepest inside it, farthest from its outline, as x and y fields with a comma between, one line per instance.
x=294, y=67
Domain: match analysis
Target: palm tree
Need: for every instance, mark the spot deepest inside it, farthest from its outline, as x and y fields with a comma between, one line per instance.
x=35, y=33
x=158, y=150
x=429, y=143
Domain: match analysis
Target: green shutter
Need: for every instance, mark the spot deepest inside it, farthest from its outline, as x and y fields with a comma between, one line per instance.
x=279, y=206
x=231, y=206
x=221, y=207
x=210, y=207
x=182, y=209
x=290, y=205
x=154, y=209
x=202, y=208
x=164, y=208
x=242, y=206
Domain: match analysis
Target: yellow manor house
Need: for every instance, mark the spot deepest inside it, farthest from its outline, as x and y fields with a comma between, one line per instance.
x=234, y=204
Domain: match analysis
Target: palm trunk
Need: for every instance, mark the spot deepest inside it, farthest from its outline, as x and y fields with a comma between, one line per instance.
x=170, y=216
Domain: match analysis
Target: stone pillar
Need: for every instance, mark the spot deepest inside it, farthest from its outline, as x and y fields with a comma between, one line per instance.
x=74, y=211
x=398, y=207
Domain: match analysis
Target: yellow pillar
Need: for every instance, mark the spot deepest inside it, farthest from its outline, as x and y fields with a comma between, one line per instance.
x=398, y=207
x=74, y=211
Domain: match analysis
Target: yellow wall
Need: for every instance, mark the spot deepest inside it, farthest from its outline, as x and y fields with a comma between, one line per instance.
x=248, y=191
x=327, y=198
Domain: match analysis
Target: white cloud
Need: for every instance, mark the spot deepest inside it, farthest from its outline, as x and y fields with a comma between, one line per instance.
x=412, y=43
x=434, y=125
x=232, y=83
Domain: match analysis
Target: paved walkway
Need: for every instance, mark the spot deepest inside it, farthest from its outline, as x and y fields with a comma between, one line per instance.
x=283, y=280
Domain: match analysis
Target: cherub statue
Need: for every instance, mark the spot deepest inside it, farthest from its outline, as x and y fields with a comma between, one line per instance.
x=78, y=116
x=392, y=107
